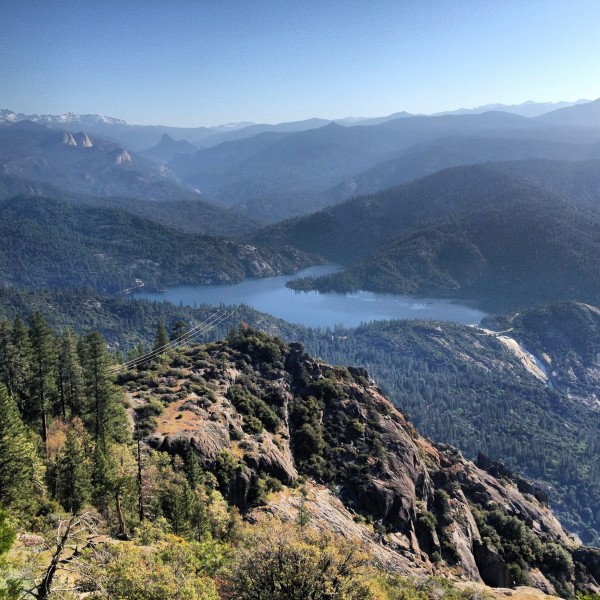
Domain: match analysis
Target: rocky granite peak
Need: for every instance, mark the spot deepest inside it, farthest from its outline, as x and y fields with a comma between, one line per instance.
x=280, y=429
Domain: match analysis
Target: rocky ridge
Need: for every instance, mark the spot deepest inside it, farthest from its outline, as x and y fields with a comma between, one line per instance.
x=279, y=429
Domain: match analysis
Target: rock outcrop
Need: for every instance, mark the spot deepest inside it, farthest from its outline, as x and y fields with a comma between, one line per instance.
x=259, y=412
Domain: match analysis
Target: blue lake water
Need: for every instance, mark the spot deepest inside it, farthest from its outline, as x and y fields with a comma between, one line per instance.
x=314, y=309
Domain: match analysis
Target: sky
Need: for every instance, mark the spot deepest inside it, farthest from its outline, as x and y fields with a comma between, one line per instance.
x=204, y=62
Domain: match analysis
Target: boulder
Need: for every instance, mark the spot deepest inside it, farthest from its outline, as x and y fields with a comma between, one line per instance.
x=492, y=568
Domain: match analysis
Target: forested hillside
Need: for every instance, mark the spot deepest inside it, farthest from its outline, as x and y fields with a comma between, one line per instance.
x=462, y=386
x=527, y=247
x=351, y=230
x=189, y=214
x=427, y=158
x=48, y=243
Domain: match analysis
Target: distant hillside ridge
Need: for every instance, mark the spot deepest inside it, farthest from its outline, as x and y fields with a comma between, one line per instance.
x=46, y=243
x=351, y=230
x=83, y=164
x=429, y=157
x=524, y=249
x=297, y=172
x=583, y=115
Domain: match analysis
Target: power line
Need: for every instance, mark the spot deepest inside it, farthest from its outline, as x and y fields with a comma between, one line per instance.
x=172, y=344
x=195, y=332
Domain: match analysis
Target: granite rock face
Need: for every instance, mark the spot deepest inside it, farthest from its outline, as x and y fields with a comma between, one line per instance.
x=255, y=411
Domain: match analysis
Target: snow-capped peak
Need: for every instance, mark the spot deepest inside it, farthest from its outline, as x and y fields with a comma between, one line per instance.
x=9, y=116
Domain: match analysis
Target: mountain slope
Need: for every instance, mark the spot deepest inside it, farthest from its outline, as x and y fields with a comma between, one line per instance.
x=424, y=159
x=253, y=129
x=47, y=243
x=349, y=231
x=578, y=180
x=524, y=394
x=284, y=162
x=581, y=115
x=519, y=251
x=188, y=215
x=476, y=389
x=306, y=164
x=167, y=148
x=565, y=338
x=255, y=410
x=81, y=164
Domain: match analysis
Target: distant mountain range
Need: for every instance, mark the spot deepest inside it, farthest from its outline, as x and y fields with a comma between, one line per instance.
x=141, y=137
x=526, y=109
x=272, y=172
x=427, y=158
x=134, y=137
x=36, y=160
x=81, y=163
x=583, y=115
x=275, y=175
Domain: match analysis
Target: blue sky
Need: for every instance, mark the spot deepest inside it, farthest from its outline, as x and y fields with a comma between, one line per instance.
x=204, y=62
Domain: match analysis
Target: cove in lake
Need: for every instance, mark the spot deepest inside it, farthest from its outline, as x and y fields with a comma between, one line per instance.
x=314, y=309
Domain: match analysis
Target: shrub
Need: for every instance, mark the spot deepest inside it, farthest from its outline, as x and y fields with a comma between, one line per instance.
x=129, y=573
x=226, y=466
x=557, y=561
x=281, y=562
x=252, y=424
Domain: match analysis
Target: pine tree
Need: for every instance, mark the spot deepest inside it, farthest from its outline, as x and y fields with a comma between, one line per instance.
x=7, y=352
x=10, y=589
x=136, y=352
x=303, y=515
x=43, y=371
x=115, y=481
x=179, y=329
x=70, y=376
x=193, y=470
x=161, y=339
x=104, y=414
x=74, y=473
x=17, y=453
x=7, y=535
x=21, y=363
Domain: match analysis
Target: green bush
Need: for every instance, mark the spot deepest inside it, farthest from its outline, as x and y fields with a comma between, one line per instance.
x=557, y=561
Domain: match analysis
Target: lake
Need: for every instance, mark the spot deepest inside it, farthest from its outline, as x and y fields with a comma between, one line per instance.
x=314, y=309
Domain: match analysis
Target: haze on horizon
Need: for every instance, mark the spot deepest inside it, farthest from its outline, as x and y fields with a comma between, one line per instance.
x=192, y=64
